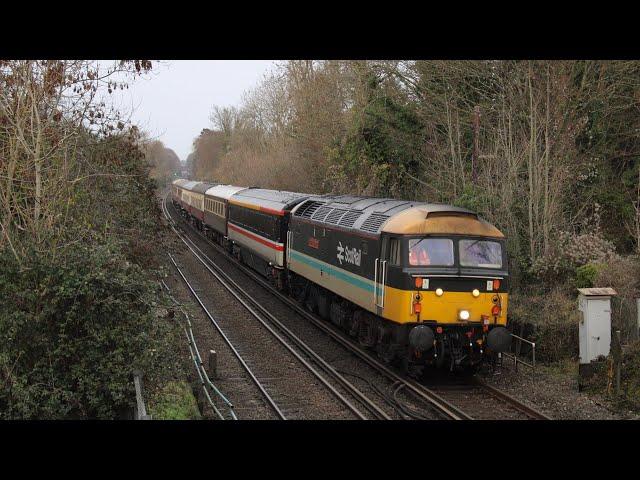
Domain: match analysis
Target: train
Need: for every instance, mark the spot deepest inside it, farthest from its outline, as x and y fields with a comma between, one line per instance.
x=421, y=284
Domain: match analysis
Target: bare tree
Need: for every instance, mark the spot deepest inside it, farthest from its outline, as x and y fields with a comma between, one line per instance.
x=45, y=106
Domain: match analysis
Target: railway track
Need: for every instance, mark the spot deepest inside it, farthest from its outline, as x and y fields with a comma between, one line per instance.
x=464, y=399
x=268, y=397
x=302, y=352
x=481, y=401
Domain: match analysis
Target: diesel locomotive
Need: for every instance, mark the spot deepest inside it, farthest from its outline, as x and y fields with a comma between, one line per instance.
x=422, y=284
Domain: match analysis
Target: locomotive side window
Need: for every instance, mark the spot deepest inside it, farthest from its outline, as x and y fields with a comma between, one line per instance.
x=394, y=251
x=431, y=251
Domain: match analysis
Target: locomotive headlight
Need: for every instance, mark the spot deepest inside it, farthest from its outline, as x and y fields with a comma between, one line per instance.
x=463, y=314
x=475, y=293
x=439, y=292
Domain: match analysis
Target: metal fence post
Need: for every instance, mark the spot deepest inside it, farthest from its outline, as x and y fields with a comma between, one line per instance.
x=140, y=410
x=533, y=353
x=638, y=314
x=213, y=364
x=618, y=362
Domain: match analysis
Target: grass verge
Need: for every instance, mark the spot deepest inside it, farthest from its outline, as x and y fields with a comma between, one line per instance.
x=174, y=401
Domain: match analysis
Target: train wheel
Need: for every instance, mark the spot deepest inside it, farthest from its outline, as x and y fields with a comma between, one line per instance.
x=385, y=352
x=339, y=314
x=367, y=331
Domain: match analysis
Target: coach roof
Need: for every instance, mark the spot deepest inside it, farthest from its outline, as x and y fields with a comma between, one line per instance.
x=275, y=201
x=202, y=187
x=189, y=185
x=223, y=191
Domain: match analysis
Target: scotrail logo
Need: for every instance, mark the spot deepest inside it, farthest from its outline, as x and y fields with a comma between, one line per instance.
x=349, y=255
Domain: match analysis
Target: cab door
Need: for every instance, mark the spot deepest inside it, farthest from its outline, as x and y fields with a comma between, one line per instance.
x=389, y=263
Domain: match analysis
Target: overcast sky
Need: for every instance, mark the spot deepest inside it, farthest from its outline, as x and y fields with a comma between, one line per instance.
x=173, y=102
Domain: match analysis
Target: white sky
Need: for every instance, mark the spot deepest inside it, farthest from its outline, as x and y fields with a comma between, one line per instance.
x=174, y=101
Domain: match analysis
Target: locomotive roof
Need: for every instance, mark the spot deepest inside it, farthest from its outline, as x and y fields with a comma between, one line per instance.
x=440, y=219
x=376, y=215
x=223, y=191
x=180, y=182
x=202, y=187
x=270, y=200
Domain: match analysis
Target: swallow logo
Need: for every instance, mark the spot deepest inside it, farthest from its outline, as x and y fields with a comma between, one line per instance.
x=340, y=252
x=349, y=255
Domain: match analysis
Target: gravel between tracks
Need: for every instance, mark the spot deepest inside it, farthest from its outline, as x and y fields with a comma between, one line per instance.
x=554, y=391
x=233, y=381
x=297, y=392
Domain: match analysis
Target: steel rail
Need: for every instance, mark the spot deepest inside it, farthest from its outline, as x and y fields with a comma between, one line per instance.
x=255, y=380
x=234, y=288
x=513, y=402
x=199, y=364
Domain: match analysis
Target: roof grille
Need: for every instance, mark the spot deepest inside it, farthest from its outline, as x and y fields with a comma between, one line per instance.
x=335, y=216
x=308, y=208
x=373, y=223
x=321, y=213
x=349, y=218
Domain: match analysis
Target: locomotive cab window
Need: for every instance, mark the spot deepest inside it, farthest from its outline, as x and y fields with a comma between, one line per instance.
x=431, y=251
x=480, y=254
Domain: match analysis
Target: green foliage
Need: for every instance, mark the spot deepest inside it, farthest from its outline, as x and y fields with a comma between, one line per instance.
x=122, y=208
x=630, y=376
x=473, y=198
x=381, y=143
x=569, y=253
x=586, y=275
x=175, y=401
x=75, y=327
x=603, y=380
x=550, y=319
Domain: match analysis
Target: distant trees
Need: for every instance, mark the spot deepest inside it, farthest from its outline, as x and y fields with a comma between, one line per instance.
x=208, y=149
x=536, y=147
x=163, y=161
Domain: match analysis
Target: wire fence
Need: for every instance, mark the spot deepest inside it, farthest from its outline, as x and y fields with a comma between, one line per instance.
x=207, y=385
x=526, y=357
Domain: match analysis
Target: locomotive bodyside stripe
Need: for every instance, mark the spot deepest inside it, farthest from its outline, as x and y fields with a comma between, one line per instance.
x=347, y=285
x=351, y=278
